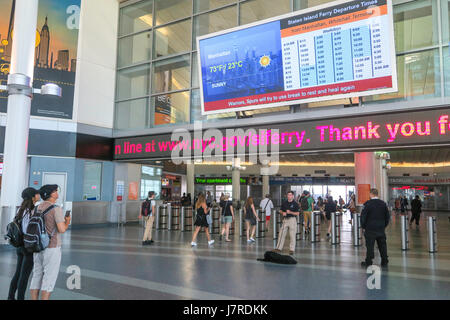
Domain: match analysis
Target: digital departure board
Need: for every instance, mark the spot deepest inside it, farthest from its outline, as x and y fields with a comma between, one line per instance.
x=338, y=50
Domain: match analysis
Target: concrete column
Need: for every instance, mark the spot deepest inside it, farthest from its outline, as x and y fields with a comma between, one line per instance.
x=190, y=179
x=265, y=182
x=364, y=173
x=18, y=110
x=236, y=180
x=370, y=169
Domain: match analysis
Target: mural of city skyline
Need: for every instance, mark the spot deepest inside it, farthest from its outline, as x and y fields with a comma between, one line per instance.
x=55, y=53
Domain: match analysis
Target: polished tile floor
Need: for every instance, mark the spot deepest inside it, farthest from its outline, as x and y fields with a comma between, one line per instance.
x=114, y=265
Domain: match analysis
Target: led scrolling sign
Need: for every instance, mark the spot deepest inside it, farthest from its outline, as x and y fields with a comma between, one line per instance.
x=429, y=127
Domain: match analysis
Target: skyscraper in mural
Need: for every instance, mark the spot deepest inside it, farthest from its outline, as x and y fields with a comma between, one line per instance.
x=63, y=60
x=44, y=47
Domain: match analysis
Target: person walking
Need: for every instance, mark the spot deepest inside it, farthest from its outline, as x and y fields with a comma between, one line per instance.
x=341, y=202
x=404, y=205
x=267, y=205
x=289, y=210
x=147, y=211
x=227, y=216
x=250, y=219
x=352, y=207
x=330, y=206
x=47, y=262
x=201, y=220
x=24, y=264
x=209, y=199
x=306, y=204
x=374, y=220
x=416, y=210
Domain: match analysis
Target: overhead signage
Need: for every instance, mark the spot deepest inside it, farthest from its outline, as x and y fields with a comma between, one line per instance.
x=218, y=181
x=341, y=49
x=397, y=129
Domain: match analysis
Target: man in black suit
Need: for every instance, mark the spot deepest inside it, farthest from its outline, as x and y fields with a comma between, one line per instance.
x=374, y=220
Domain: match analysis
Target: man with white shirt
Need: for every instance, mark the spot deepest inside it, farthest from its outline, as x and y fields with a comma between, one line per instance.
x=267, y=206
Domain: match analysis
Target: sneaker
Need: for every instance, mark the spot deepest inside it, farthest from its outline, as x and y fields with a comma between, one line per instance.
x=220, y=238
x=144, y=243
x=276, y=251
x=384, y=263
x=328, y=235
x=253, y=240
x=291, y=252
x=249, y=241
x=194, y=244
x=151, y=241
x=210, y=242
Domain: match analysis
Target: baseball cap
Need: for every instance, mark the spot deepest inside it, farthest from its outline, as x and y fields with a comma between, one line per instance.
x=46, y=190
x=29, y=193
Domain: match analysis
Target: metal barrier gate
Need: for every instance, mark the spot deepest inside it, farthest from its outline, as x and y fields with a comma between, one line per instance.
x=357, y=237
x=432, y=235
x=336, y=220
x=404, y=228
x=315, y=226
x=186, y=219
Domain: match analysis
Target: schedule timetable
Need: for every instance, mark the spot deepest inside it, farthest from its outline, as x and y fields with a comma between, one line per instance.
x=341, y=44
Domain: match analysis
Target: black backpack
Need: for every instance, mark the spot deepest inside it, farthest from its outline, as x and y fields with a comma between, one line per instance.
x=270, y=256
x=304, y=203
x=14, y=234
x=36, y=238
x=146, y=208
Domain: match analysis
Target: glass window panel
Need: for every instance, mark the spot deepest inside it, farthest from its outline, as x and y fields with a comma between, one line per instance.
x=131, y=114
x=171, y=74
x=214, y=21
x=414, y=26
x=174, y=38
x=255, y=10
x=206, y=5
x=445, y=21
x=92, y=180
x=418, y=77
x=171, y=10
x=196, y=111
x=446, y=56
x=133, y=82
x=136, y=17
x=171, y=108
x=303, y=4
x=134, y=49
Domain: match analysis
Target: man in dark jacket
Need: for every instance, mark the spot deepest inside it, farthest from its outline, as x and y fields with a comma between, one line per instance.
x=374, y=220
x=416, y=209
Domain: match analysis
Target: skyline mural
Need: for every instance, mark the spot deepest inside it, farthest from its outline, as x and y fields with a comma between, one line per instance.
x=55, y=53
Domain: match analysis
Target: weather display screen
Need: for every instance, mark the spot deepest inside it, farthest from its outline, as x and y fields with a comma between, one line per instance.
x=339, y=50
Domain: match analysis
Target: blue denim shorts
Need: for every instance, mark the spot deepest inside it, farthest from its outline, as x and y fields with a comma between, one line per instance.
x=227, y=219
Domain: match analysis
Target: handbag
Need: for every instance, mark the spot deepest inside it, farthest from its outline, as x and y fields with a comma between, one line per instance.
x=209, y=219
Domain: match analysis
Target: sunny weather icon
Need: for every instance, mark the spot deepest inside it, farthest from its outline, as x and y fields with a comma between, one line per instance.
x=264, y=61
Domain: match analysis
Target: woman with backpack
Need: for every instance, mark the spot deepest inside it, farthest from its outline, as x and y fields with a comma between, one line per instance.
x=200, y=220
x=250, y=218
x=24, y=258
